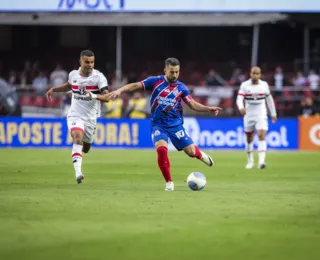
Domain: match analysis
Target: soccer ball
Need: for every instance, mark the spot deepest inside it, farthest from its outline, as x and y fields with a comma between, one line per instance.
x=196, y=181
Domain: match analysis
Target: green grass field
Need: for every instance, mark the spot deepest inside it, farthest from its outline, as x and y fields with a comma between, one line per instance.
x=121, y=211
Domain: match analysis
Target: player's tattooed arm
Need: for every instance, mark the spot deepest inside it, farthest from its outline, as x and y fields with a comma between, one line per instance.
x=127, y=88
x=63, y=88
x=198, y=107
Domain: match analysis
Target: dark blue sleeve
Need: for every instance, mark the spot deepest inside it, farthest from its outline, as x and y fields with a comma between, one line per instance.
x=186, y=95
x=148, y=83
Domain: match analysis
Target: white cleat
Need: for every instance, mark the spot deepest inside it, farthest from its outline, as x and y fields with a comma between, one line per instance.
x=207, y=159
x=79, y=178
x=169, y=186
x=262, y=166
x=249, y=165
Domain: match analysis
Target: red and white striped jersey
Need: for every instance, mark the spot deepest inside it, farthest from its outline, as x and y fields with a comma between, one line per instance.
x=81, y=105
x=255, y=96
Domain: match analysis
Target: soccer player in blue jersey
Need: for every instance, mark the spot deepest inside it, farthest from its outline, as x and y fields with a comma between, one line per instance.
x=166, y=115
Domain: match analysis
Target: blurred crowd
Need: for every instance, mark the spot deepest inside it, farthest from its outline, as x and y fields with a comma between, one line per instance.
x=40, y=76
x=294, y=93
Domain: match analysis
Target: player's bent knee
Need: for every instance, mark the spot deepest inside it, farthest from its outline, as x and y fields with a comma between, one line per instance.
x=190, y=151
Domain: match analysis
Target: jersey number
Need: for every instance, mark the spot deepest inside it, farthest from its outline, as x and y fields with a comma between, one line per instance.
x=180, y=134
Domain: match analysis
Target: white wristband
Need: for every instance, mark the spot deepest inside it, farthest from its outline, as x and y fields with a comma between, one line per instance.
x=93, y=96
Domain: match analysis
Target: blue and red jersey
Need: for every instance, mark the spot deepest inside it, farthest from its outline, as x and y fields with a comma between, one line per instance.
x=165, y=100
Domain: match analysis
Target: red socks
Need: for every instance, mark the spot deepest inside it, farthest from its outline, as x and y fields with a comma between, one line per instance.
x=197, y=154
x=164, y=163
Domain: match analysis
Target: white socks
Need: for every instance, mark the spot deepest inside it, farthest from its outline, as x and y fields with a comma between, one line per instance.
x=249, y=150
x=262, y=148
x=77, y=158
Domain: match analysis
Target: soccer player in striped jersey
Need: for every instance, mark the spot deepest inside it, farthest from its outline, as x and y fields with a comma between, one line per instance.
x=166, y=115
x=84, y=111
x=251, y=101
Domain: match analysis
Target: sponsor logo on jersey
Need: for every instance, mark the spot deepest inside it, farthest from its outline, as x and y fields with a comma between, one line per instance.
x=84, y=98
x=166, y=101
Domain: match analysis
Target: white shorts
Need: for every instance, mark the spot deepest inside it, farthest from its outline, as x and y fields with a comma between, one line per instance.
x=87, y=126
x=255, y=123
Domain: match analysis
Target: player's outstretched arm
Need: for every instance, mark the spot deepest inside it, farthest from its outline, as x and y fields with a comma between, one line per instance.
x=63, y=88
x=196, y=106
x=127, y=88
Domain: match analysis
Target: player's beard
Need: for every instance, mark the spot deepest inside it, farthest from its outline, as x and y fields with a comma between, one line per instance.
x=172, y=80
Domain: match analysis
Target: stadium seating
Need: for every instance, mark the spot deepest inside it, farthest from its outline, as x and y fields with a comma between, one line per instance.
x=26, y=101
x=39, y=101
x=55, y=102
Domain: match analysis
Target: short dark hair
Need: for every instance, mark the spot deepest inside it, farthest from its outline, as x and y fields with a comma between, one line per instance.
x=87, y=53
x=172, y=62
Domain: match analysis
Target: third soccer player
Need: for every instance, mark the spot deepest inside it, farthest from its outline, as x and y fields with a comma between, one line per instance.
x=255, y=92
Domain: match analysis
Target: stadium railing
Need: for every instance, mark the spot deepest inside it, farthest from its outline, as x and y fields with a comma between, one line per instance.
x=288, y=100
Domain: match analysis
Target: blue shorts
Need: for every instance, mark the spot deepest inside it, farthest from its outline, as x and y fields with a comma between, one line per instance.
x=177, y=134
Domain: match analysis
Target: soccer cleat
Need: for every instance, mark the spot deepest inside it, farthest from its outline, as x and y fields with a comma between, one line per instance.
x=262, y=166
x=79, y=178
x=249, y=165
x=169, y=186
x=206, y=159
